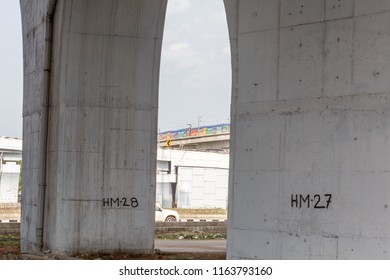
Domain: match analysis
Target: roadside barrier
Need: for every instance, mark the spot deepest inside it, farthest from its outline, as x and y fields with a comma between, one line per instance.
x=13, y=226
x=9, y=226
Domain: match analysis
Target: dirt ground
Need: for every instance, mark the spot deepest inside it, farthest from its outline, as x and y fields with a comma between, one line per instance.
x=10, y=250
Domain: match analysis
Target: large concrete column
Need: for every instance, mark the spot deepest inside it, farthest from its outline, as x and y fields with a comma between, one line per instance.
x=36, y=27
x=310, y=150
x=102, y=96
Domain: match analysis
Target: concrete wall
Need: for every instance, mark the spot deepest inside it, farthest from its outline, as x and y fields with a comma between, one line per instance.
x=9, y=228
x=9, y=182
x=10, y=157
x=36, y=27
x=192, y=179
x=163, y=228
x=310, y=179
x=102, y=124
x=202, y=187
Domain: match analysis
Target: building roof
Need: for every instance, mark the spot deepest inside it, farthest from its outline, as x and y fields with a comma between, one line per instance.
x=10, y=144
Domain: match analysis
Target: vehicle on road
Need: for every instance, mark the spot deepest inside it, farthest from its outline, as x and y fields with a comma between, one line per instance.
x=165, y=215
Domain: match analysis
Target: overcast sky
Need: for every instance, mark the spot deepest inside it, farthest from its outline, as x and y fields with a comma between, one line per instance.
x=195, y=77
x=195, y=72
x=11, y=69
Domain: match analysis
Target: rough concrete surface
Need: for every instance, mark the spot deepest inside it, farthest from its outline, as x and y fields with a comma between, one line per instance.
x=310, y=129
x=309, y=162
x=90, y=113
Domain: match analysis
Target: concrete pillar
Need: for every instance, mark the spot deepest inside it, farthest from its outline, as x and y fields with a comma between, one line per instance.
x=310, y=148
x=36, y=22
x=98, y=185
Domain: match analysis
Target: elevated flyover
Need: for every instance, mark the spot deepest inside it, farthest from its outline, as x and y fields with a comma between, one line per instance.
x=213, y=137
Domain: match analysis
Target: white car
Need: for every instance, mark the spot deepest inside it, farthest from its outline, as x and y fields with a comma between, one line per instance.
x=165, y=215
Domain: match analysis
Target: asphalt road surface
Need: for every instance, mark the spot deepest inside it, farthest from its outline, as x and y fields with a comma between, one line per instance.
x=186, y=245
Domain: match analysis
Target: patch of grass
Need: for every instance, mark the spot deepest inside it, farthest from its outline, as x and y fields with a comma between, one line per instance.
x=9, y=240
x=9, y=246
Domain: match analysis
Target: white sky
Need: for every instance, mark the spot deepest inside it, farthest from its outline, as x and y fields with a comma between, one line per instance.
x=11, y=69
x=195, y=76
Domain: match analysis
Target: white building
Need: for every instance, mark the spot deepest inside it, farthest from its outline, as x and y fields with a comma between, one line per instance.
x=185, y=179
x=192, y=179
x=10, y=157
